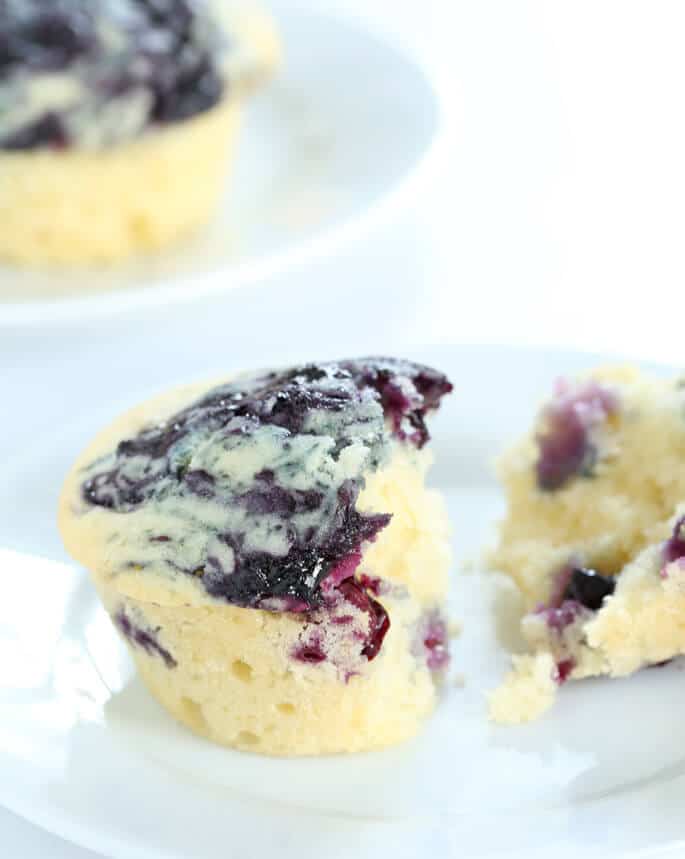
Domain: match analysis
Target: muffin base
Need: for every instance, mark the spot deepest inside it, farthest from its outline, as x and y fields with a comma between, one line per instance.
x=81, y=207
x=229, y=674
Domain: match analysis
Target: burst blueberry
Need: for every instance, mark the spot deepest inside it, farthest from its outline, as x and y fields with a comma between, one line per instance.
x=142, y=637
x=589, y=588
x=674, y=548
x=333, y=408
x=565, y=443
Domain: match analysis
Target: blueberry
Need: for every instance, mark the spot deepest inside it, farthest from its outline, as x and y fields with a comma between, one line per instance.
x=310, y=652
x=199, y=482
x=564, y=452
x=143, y=638
x=674, y=548
x=197, y=90
x=589, y=588
x=45, y=39
x=8, y=52
x=54, y=39
x=349, y=591
x=379, y=623
x=379, y=626
x=47, y=132
x=565, y=446
x=563, y=670
x=404, y=405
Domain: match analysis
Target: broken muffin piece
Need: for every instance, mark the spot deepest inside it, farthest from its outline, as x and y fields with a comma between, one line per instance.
x=591, y=497
x=268, y=549
x=601, y=626
x=596, y=481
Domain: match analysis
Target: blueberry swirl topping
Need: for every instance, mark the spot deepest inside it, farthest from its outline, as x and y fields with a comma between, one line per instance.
x=253, y=488
x=94, y=72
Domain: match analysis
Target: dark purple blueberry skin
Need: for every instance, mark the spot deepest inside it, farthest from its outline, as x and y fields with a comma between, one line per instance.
x=564, y=446
x=674, y=547
x=589, y=588
x=47, y=131
x=564, y=452
x=259, y=575
x=382, y=375
x=44, y=37
x=353, y=592
x=564, y=669
x=39, y=36
x=145, y=638
x=285, y=399
x=379, y=622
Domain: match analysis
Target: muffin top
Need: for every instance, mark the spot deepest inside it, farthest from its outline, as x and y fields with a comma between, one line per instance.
x=251, y=487
x=91, y=73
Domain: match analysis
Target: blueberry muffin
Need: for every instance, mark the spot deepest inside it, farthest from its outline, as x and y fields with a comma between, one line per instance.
x=118, y=119
x=269, y=550
x=592, y=535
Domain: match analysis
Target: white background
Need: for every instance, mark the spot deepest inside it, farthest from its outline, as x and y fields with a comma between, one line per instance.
x=561, y=220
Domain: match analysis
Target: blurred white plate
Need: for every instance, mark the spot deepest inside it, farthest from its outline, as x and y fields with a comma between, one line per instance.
x=345, y=134
x=86, y=754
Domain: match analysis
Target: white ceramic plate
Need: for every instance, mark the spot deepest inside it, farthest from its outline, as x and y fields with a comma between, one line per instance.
x=85, y=753
x=348, y=130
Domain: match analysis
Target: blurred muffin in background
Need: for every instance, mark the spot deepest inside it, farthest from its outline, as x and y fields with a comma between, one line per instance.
x=118, y=120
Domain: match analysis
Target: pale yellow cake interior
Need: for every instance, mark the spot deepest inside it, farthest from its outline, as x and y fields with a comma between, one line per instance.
x=614, y=522
x=605, y=520
x=99, y=206
x=642, y=624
